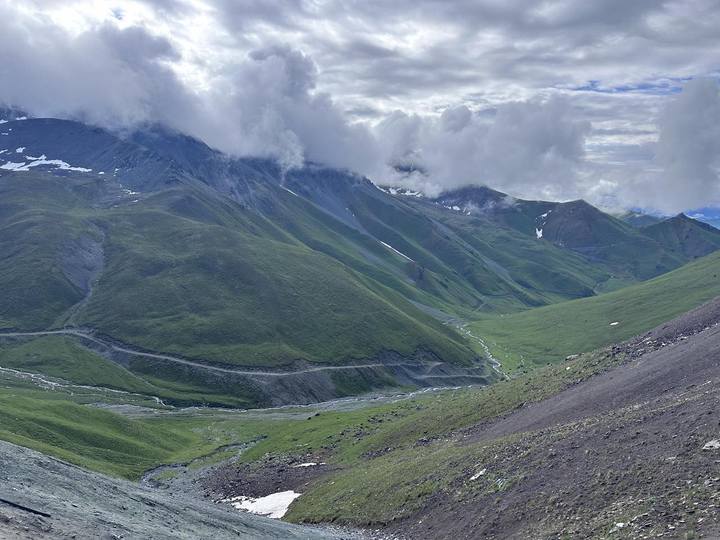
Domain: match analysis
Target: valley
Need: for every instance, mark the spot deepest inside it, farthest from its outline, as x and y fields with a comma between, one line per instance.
x=198, y=334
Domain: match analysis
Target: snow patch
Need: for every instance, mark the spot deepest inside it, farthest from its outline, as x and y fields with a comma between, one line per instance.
x=20, y=150
x=308, y=464
x=542, y=218
x=478, y=474
x=12, y=166
x=273, y=506
x=42, y=160
x=400, y=191
x=2, y=152
x=614, y=323
x=712, y=445
x=396, y=251
x=3, y=121
x=290, y=191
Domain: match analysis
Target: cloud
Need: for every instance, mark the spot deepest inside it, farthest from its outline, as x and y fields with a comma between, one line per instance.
x=688, y=151
x=262, y=104
x=540, y=98
x=532, y=148
x=107, y=76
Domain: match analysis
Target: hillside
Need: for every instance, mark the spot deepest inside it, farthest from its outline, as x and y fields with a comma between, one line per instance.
x=222, y=268
x=61, y=500
x=685, y=235
x=548, y=334
x=620, y=245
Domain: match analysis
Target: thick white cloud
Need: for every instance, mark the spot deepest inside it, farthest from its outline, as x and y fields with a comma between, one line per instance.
x=530, y=148
x=263, y=103
x=687, y=154
x=541, y=98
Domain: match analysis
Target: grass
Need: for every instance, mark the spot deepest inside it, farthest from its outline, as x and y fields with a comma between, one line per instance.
x=536, y=337
x=62, y=357
x=384, y=472
x=92, y=438
x=60, y=422
x=195, y=274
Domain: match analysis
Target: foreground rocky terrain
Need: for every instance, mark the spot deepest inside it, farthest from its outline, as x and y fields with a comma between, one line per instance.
x=41, y=497
x=631, y=453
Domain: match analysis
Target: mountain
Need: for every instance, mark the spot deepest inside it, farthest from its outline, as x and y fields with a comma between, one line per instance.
x=549, y=334
x=638, y=219
x=681, y=234
x=237, y=282
x=626, y=253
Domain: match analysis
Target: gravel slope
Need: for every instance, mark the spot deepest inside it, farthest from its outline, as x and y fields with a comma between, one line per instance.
x=42, y=497
x=631, y=453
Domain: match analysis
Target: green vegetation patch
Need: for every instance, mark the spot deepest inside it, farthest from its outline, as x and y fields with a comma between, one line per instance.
x=525, y=340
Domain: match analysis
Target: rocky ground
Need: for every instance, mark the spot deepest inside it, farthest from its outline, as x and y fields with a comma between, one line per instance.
x=631, y=453
x=41, y=497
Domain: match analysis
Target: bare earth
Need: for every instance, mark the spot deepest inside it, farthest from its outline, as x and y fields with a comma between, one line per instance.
x=625, y=454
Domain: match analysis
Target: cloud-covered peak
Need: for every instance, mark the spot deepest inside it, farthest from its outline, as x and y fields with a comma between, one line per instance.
x=551, y=98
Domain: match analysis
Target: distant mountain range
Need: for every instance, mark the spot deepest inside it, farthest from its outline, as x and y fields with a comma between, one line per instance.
x=158, y=242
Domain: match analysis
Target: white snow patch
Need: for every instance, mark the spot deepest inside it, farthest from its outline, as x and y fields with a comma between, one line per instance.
x=396, y=251
x=617, y=527
x=478, y=474
x=42, y=160
x=614, y=323
x=3, y=121
x=400, y=191
x=36, y=158
x=539, y=233
x=2, y=151
x=101, y=172
x=456, y=208
x=712, y=445
x=308, y=464
x=20, y=150
x=290, y=191
x=273, y=506
x=12, y=166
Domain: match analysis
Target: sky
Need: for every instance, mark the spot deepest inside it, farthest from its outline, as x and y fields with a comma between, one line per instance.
x=613, y=101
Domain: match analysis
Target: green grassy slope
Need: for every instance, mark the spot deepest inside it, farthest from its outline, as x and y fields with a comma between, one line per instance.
x=458, y=263
x=548, y=334
x=685, y=236
x=61, y=357
x=60, y=423
x=99, y=440
x=188, y=272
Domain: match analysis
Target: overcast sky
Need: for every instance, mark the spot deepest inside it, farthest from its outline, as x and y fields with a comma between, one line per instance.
x=614, y=101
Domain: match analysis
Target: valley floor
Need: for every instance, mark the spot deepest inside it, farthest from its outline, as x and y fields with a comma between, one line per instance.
x=619, y=443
